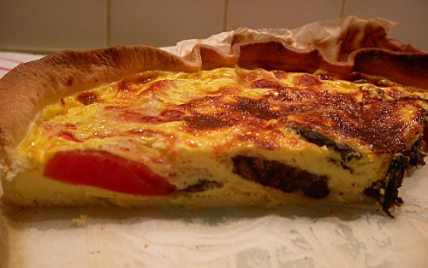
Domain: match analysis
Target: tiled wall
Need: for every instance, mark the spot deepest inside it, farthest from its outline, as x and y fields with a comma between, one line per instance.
x=51, y=25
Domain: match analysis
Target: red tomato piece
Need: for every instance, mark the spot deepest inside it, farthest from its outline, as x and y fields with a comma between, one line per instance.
x=107, y=171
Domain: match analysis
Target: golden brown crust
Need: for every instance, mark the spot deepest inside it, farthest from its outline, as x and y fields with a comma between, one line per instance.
x=275, y=54
x=29, y=87
x=403, y=67
x=408, y=68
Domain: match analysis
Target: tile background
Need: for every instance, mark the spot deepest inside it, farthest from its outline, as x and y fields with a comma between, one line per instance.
x=52, y=25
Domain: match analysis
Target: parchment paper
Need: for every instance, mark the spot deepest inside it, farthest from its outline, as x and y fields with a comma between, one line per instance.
x=327, y=36
x=287, y=236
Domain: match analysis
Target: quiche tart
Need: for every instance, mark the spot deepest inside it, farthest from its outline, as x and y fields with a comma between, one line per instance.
x=264, y=124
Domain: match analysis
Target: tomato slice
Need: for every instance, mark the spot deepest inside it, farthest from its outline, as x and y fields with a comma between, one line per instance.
x=107, y=171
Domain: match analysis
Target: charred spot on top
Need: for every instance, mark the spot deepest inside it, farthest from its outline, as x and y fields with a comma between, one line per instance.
x=87, y=98
x=127, y=84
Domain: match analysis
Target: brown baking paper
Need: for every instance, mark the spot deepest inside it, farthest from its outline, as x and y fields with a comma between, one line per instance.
x=287, y=236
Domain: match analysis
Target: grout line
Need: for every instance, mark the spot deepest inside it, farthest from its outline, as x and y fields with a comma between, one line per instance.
x=108, y=24
x=225, y=14
x=342, y=9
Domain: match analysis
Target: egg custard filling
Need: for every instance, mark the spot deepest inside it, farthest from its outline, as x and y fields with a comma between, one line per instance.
x=223, y=137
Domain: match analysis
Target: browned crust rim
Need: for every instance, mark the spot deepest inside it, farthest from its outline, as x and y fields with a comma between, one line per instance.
x=407, y=68
x=29, y=87
x=25, y=90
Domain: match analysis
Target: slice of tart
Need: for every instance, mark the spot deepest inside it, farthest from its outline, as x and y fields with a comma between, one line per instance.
x=264, y=125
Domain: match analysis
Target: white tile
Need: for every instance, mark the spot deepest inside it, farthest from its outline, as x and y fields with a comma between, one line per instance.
x=280, y=13
x=164, y=22
x=411, y=16
x=50, y=25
